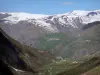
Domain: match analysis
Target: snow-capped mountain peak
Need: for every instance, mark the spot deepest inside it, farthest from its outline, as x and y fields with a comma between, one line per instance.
x=51, y=22
x=79, y=12
x=84, y=16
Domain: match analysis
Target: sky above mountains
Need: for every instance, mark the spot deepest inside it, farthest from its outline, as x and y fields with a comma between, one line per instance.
x=47, y=6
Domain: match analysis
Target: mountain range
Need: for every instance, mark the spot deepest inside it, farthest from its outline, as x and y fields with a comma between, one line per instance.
x=59, y=33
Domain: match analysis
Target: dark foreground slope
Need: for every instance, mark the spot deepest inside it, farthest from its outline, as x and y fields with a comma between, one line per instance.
x=18, y=58
x=9, y=56
x=4, y=70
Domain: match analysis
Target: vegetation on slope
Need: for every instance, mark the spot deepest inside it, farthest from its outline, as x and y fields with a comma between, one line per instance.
x=82, y=68
x=95, y=71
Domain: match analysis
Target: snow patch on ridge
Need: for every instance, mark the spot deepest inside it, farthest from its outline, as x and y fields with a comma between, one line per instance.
x=16, y=17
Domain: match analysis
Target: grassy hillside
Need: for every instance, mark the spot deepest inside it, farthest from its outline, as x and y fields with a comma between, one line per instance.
x=95, y=71
x=82, y=68
x=55, y=42
x=49, y=41
x=57, y=67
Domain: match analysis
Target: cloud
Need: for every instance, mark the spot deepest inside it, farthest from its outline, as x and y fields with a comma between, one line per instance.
x=67, y=3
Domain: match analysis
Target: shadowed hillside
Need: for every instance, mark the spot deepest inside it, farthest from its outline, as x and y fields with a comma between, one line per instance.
x=20, y=58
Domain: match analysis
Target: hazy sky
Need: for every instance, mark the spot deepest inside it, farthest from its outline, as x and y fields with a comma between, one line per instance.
x=47, y=6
